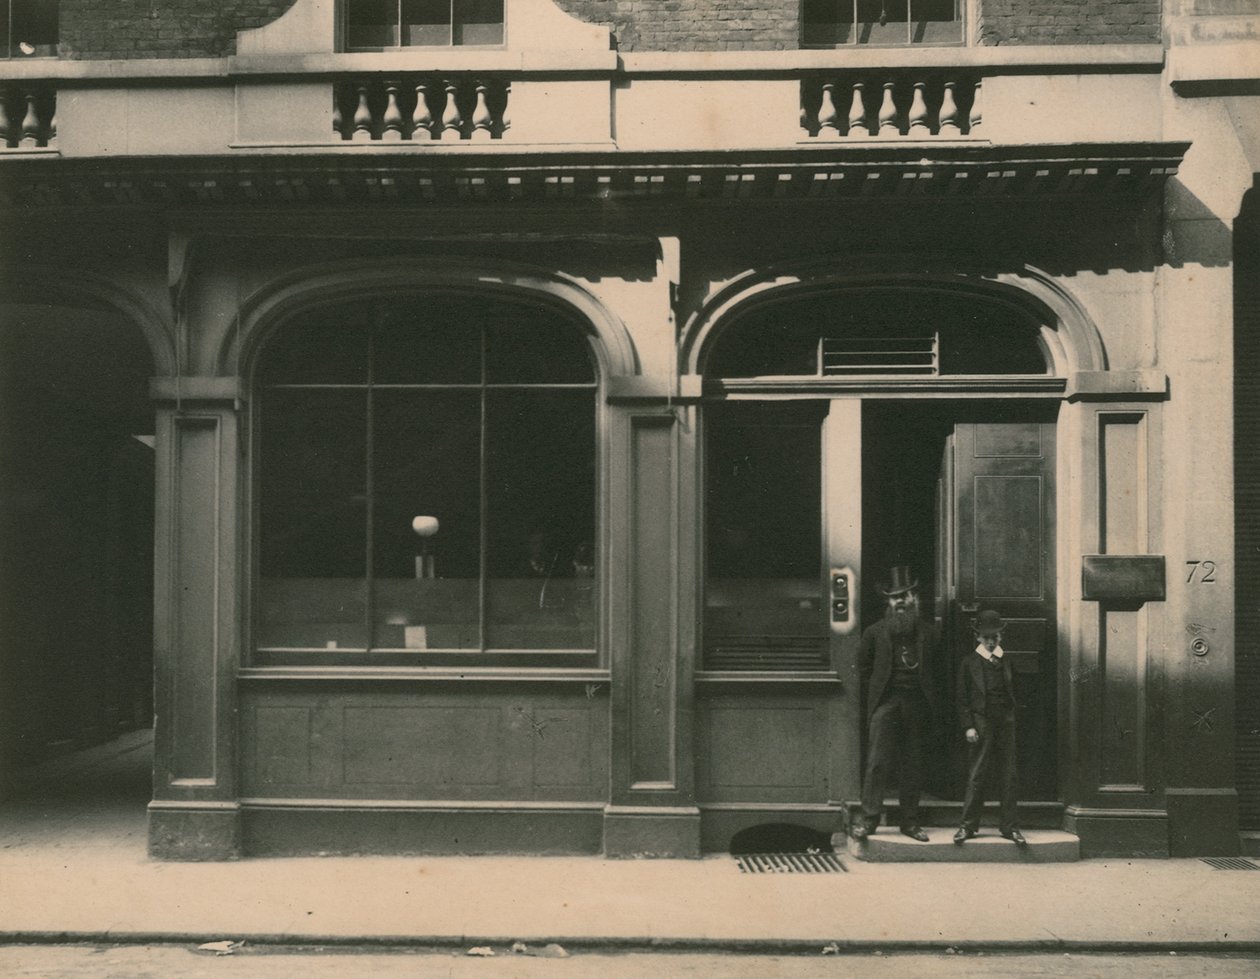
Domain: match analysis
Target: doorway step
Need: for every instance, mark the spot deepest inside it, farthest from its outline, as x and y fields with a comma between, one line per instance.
x=938, y=812
x=889, y=846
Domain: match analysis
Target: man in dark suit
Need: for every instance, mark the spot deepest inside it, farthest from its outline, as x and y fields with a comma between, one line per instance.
x=896, y=657
x=985, y=699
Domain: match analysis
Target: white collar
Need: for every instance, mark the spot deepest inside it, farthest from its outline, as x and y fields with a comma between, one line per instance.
x=996, y=654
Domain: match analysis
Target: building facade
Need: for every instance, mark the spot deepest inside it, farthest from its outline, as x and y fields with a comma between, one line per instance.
x=522, y=401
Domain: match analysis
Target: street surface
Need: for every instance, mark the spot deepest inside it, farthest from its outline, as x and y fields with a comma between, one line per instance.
x=183, y=962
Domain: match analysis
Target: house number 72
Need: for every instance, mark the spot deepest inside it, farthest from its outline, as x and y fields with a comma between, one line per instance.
x=1202, y=571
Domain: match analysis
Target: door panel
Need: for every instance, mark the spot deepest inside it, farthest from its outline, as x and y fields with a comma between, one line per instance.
x=1003, y=558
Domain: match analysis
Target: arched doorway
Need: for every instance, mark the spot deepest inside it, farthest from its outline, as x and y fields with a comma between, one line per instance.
x=847, y=428
x=77, y=479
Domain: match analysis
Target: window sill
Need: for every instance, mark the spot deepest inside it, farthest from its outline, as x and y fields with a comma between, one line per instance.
x=793, y=677
x=425, y=674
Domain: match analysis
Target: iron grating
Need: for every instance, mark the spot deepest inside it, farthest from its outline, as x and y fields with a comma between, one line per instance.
x=789, y=863
x=1231, y=863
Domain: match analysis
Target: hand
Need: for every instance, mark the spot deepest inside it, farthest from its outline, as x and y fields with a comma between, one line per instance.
x=972, y=735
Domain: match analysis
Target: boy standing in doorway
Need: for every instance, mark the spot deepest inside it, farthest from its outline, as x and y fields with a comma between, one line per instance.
x=986, y=711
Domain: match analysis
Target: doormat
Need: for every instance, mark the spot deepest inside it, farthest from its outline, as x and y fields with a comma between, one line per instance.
x=1231, y=863
x=790, y=863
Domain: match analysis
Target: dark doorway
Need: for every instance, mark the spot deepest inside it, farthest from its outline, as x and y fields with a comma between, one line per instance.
x=76, y=530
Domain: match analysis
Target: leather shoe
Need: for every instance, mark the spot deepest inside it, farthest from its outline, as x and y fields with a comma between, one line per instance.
x=1016, y=837
x=859, y=831
x=963, y=834
x=915, y=833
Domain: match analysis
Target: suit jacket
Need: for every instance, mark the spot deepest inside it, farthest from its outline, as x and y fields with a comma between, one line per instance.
x=969, y=694
x=876, y=659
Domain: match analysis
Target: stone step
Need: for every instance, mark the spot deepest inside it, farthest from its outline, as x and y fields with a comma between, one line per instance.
x=937, y=812
x=889, y=846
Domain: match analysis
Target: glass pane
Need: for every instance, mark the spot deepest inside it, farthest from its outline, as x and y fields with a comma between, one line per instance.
x=935, y=22
x=426, y=22
x=882, y=22
x=312, y=519
x=478, y=21
x=426, y=540
x=764, y=607
x=34, y=32
x=534, y=345
x=371, y=24
x=828, y=22
x=427, y=341
x=326, y=346
x=540, y=486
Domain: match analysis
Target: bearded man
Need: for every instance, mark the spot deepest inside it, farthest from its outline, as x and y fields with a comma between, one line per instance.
x=896, y=658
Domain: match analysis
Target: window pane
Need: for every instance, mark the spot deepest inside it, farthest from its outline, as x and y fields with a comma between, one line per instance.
x=426, y=22
x=935, y=22
x=882, y=22
x=312, y=519
x=328, y=347
x=828, y=22
x=540, y=489
x=428, y=341
x=371, y=23
x=478, y=21
x=764, y=607
x=533, y=345
x=426, y=453
x=34, y=32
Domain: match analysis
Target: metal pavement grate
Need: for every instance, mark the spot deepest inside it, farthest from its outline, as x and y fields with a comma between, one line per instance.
x=1231, y=863
x=789, y=863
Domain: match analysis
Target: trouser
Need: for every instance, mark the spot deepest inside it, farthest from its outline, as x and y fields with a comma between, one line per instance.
x=994, y=752
x=897, y=729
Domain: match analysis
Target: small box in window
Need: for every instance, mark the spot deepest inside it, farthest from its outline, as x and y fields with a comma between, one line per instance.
x=416, y=637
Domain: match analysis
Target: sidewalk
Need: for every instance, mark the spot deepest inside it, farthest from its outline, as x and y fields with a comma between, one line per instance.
x=73, y=867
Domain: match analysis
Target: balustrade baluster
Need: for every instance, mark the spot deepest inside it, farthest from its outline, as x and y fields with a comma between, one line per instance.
x=857, y=111
x=31, y=124
x=949, y=113
x=976, y=116
x=888, y=122
x=828, y=115
x=505, y=122
x=6, y=127
x=422, y=118
x=919, y=112
x=363, y=116
x=481, y=117
x=452, y=121
x=52, y=127
x=338, y=121
x=392, y=121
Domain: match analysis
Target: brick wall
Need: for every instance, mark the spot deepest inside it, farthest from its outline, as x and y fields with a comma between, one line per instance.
x=205, y=28
x=99, y=29
x=1069, y=22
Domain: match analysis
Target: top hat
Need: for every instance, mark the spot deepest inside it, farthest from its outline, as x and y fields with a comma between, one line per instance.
x=900, y=581
x=988, y=622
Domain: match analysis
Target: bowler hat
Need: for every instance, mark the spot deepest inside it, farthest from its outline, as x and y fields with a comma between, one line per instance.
x=989, y=622
x=900, y=580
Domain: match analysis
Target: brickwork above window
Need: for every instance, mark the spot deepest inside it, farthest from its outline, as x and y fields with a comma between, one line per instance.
x=1069, y=22
x=125, y=29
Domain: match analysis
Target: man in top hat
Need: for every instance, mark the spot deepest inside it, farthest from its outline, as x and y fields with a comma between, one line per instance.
x=986, y=710
x=896, y=654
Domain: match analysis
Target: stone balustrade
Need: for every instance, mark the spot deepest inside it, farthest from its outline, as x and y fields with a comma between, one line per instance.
x=891, y=105
x=420, y=108
x=28, y=116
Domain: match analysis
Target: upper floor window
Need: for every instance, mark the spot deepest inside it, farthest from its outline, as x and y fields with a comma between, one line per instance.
x=881, y=22
x=29, y=29
x=377, y=24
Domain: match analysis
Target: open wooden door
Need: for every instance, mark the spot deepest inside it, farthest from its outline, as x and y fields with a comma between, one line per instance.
x=996, y=532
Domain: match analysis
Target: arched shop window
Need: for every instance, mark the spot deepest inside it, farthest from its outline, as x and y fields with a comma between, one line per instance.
x=426, y=485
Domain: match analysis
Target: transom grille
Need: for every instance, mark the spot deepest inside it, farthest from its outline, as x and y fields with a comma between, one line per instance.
x=790, y=863
x=879, y=355
x=767, y=653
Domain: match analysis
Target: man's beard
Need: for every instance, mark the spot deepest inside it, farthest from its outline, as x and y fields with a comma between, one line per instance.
x=903, y=621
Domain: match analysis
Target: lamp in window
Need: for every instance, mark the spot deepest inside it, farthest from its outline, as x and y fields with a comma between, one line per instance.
x=425, y=528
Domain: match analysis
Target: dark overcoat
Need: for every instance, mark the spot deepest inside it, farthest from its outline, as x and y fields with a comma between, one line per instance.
x=876, y=659
x=969, y=694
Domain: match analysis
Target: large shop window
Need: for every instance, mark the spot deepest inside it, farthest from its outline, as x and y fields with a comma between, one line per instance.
x=826, y=23
x=372, y=25
x=426, y=490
